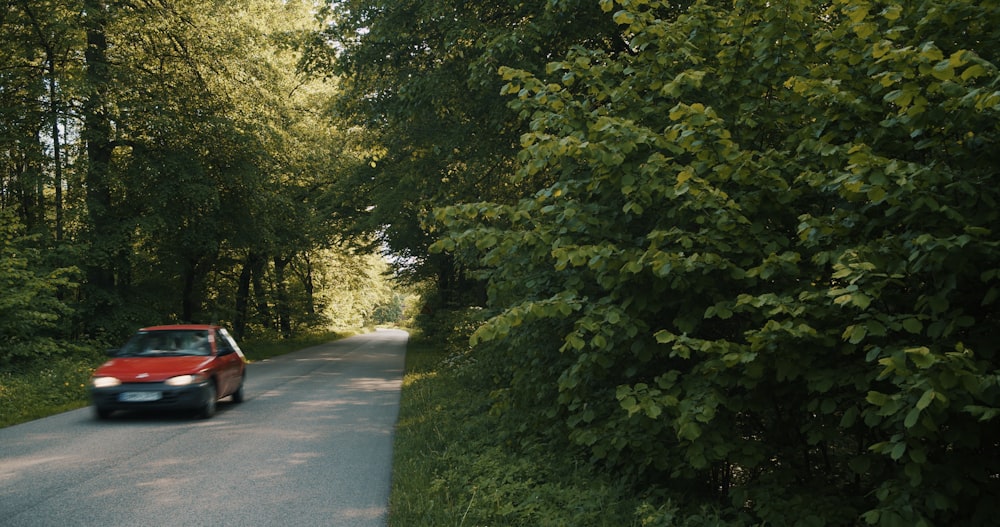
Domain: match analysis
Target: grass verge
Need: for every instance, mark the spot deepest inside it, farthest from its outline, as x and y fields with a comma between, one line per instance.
x=40, y=390
x=451, y=468
x=265, y=348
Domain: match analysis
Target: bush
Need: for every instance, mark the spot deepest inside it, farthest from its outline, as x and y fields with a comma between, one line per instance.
x=32, y=313
x=765, y=274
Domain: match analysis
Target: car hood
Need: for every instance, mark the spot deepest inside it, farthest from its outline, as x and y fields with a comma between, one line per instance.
x=151, y=369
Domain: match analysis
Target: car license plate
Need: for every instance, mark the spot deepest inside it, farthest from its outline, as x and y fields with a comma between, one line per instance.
x=138, y=397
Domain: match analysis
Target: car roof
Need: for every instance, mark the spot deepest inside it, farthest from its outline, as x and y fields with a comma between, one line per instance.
x=202, y=327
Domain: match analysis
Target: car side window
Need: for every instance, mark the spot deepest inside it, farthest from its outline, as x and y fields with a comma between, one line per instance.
x=222, y=343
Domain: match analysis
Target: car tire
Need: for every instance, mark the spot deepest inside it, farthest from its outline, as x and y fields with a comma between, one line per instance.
x=238, y=394
x=208, y=409
x=102, y=413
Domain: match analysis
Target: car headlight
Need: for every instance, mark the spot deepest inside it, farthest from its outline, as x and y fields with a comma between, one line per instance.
x=184, y=380
x=104, y=382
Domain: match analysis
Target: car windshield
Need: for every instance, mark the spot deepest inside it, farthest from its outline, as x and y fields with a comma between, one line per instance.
x=167, y=343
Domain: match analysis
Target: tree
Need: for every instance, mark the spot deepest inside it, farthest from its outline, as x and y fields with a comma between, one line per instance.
x=193, y=147
x=418, y=79
x=197, y=173
x=38, y=67
x=764, y=272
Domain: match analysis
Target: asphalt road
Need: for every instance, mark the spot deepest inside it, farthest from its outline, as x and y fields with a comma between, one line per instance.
x=310, y=445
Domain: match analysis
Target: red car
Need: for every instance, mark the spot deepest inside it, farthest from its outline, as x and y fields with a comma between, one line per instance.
x=170, y=367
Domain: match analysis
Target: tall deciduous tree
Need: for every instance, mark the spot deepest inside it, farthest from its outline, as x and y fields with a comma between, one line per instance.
x=766, y=270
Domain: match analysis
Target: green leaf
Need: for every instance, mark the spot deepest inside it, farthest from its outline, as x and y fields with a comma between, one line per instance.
x=921, y=356
x=664, y=337
x=865, y=30
x=857, y=12
x=689, y=431
x=856, y=333
x=575, y=342
x=943, y=70
x=913, y=325
x=861, y=300
x=877, y=398
x=875, y=328
x=931, y=53
x=624, y=18
x=892, y=12
x=902, y=97
x=973, y=71
x=926, y=399
x=629, y=404
x=876, y=194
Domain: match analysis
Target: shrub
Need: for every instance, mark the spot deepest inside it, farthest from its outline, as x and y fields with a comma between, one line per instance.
x=32, y=312
x=766, y=271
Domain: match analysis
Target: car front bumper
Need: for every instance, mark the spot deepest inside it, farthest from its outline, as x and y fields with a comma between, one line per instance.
x=150, y=396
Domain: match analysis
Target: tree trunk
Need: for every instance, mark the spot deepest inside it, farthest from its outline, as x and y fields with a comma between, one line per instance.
x=243, y=298
x=56, y=145
x=188, y=297
x=96, y=132
x=256, y=263
x=308, y=284
x=282, y=304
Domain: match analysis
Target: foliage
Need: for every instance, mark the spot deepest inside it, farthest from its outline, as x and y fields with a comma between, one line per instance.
x=765, y=272
x=391, y=311
x=175, y=153
x=450, y=467
x=205, y=172
x=356, y=287
x=418, y=81
x=31, y=302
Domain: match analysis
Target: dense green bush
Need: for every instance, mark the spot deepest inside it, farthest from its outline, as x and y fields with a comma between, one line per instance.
x=33, y=314
x=766, y=276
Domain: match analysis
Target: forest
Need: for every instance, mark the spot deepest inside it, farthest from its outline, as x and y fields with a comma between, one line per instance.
x=742, y=253
x=169, y=161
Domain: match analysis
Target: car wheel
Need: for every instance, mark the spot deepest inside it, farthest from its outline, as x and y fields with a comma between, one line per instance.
x=238, y=394
x=208, y=410
x=102, y=413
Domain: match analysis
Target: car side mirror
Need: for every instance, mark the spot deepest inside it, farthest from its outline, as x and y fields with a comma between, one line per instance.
x=225, y=351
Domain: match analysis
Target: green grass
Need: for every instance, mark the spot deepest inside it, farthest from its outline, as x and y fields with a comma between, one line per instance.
x=58, y=385
x=451, y=468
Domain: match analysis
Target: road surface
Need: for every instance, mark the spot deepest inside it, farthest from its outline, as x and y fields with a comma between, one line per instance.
x=310, y=445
